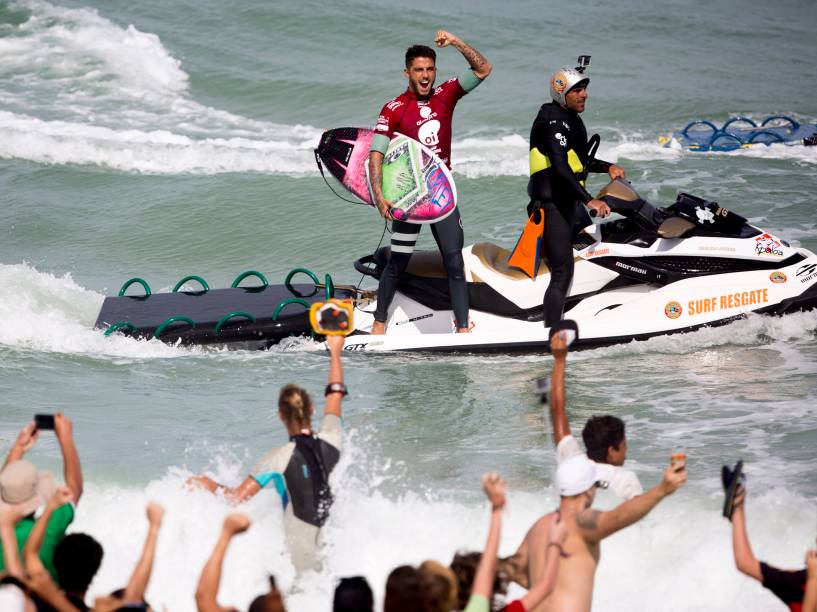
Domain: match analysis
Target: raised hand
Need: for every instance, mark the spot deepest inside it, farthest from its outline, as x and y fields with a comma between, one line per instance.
x=558, y=345
x=27, y=437
x=334, y=343
x=155, y=513
x=236, y=523
x=443, y=38
x=63, y=428
x=494, y=487
x=674, y=479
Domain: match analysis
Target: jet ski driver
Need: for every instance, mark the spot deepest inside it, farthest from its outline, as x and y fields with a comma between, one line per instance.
x=558, y=165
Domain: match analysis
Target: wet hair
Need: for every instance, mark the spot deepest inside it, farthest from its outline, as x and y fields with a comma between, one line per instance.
x=442, y=586
x=415, y=51
x=464, y=566
x=600, y=433
x=406, y=590
x=353, y=595
x=295, y=404
x=77, y=559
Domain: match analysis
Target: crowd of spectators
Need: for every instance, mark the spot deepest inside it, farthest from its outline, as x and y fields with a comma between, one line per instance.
x=45, y=568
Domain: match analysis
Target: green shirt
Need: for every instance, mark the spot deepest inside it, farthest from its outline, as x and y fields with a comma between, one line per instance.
x=54, y=532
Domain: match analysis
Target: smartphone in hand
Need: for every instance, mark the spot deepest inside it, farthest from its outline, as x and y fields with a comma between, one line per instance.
x=44, y=421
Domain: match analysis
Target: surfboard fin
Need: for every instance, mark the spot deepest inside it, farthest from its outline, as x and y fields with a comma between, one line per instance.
x=527, y=253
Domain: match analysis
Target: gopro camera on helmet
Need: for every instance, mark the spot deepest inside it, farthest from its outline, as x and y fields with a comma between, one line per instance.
x=584, y=63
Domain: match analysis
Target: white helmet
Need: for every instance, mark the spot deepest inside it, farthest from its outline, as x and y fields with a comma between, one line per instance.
x=565, y=79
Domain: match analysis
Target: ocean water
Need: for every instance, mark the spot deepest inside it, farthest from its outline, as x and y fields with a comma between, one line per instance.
x=160, y=139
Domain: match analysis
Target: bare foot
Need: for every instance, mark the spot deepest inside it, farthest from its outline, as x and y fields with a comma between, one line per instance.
x=378, y=328
x=463, y=330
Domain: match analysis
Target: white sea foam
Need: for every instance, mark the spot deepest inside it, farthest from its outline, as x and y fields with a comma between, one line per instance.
x=80, y=89
x=47, y=313
x=649, y=566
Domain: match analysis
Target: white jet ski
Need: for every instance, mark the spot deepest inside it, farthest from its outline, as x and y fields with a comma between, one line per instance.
x=649, y=272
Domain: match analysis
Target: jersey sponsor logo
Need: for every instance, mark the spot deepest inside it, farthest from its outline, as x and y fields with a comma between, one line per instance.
x=394, y=104
x=425, y=113
x=672, y=310
x=778, y=277
x=429, y=134
x=562, y=139
x=382, y=124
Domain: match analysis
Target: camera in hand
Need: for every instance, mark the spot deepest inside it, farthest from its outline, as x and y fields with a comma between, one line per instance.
x=332, y=318
x=44, y=421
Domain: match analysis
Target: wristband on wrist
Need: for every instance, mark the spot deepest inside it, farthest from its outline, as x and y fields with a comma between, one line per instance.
x=336, y=388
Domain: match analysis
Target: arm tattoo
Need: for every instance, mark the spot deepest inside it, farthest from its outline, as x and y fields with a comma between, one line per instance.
x=376, y=178
x=474, y=58
x=589, y=519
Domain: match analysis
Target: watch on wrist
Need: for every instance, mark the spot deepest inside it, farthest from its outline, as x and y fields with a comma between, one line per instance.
x=336, y=388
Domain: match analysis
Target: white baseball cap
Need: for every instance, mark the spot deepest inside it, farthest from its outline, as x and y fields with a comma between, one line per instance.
x=576, y=475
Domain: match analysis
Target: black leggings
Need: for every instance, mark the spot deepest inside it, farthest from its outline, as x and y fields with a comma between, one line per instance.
x=450, y=240
x=559, y=226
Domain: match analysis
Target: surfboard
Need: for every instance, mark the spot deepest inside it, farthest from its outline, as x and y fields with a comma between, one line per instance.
x=414, y=178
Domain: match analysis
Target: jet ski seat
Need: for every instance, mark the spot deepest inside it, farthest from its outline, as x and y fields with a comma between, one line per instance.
x=495, y=258
x=675, y=227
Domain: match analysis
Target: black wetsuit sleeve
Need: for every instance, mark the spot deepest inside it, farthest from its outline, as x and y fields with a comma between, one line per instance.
x=599, y=165
x=554, y=142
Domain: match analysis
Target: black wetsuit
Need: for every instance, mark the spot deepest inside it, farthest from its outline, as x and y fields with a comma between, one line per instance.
x=558, y=165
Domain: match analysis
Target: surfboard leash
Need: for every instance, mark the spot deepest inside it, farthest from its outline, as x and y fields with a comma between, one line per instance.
x=385, y=222
x=323, y=176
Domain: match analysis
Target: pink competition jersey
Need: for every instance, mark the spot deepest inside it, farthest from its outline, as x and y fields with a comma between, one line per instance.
x=427, y=121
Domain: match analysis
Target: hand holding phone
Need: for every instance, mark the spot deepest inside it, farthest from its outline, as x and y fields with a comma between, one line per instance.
x=44, y=421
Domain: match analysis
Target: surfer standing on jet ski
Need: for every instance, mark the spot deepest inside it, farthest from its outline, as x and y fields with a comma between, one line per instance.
x=424, y=113
x=558, y=164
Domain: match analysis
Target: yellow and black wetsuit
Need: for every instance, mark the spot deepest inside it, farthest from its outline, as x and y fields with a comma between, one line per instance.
x=558, y=164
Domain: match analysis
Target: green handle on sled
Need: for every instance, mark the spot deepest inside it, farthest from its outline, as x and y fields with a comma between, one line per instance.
x=244, y=275
x=237, y=313
x=168, y=322
x=133, y=280
x=120, y=325
x=286, y=303
x=192, y=277
x=309, y=273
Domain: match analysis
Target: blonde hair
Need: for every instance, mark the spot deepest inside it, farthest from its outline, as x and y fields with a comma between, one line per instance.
x=295, y=404
x=442, y=586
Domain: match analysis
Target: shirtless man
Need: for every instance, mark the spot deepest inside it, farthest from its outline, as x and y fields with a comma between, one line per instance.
x=576, y=479
x=603, y=436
